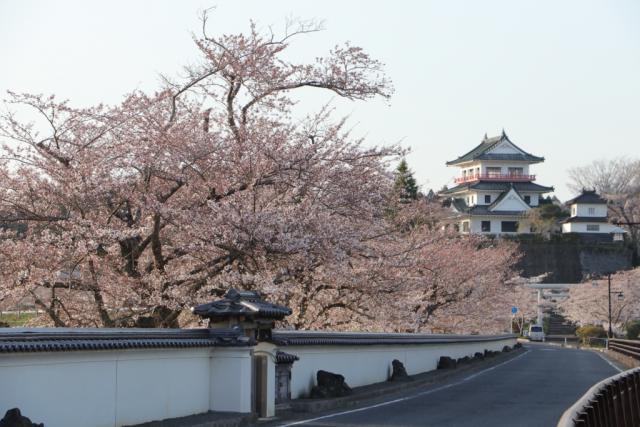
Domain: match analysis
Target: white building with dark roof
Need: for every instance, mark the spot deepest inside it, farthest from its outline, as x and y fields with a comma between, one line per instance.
x=589, y=218
x=495, y=188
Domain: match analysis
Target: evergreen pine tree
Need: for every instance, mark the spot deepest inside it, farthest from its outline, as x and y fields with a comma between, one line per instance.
x=405, y=184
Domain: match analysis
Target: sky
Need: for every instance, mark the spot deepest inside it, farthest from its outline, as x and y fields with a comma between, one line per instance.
x=562, y=78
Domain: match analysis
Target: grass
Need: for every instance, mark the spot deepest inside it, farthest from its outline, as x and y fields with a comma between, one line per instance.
x=16, y=319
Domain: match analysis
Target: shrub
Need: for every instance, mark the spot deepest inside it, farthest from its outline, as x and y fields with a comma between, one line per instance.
x=633, y=330
x=590, y=331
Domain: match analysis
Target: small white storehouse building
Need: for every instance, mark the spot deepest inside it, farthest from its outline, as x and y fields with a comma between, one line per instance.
x=495, y=188
x=589, y=217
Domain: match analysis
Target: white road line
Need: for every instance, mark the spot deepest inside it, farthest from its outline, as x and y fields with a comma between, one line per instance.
x=610, y=363
x=402, y=399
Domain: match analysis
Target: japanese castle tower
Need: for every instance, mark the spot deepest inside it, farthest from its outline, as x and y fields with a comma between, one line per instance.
x=495, y=188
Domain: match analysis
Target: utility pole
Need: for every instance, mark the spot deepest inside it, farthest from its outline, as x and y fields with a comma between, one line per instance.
x=610, y=333
x=620, y=297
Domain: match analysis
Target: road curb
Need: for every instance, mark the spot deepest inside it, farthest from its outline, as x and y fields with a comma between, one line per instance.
x=208, y=419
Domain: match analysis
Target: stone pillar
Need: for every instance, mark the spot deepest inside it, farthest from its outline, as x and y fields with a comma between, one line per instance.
x=269, y=350
x=540, y=301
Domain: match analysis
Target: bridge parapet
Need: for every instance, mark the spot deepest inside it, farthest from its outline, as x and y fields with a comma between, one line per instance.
x=614, y=401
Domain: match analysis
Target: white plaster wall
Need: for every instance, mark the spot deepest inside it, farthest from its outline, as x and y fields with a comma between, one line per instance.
x=231, y=380
x=505, y=148
x=60, y=389
x=362, y=365
x=494, y=195
x=115, y=388
x=581, y=227
x=479, y=197
x=511, y=203
x=583, y=209
x=159, y=385
x=471, y=198
x=534, y=198
x=504, y=167
x=496, y=225
x=471, y=169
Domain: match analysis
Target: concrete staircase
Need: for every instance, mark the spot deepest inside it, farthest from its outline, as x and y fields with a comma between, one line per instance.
x=560, y=328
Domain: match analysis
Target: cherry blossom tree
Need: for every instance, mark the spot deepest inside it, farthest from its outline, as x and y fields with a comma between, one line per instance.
x=588, y=302
x=618, y=180
x=137, y=211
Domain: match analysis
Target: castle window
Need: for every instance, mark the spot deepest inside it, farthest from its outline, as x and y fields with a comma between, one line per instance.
x=593, y=227
x=516, y=171
x=487, y=198
x=485, y=226
x=494, y=172
x=592, y=211
x=465, y=226
x=509, y=226
x=527, y=199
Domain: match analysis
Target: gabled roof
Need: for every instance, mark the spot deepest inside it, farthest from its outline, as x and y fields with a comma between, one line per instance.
x=245, y=303
x=589, y=197
x=483, y=152
x=461, y=207
x=499, y=186
x=493, y=206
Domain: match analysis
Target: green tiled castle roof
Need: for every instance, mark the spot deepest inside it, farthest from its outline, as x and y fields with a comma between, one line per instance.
x=498, y=186
x=482, y=152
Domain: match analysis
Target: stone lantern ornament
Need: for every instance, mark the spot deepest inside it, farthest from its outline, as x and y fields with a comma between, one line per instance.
x=246, y=310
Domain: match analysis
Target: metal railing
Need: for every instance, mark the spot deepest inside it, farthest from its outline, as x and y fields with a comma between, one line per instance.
x=629, y=348
x=614, y=401
x=500, y=177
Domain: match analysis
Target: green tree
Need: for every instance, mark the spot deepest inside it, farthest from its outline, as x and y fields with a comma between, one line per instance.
x=405, y=184
x=545, y=218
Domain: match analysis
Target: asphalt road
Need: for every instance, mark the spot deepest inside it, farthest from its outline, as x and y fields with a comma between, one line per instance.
x=533, y=389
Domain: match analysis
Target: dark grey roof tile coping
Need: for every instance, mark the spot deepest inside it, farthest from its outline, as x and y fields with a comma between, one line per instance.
x=241, y=303
x=498, y=186
x=282, y=337
x=600, y=219
x=483, y=210
x=285, y=358
x=588, y=197
x=77, y=339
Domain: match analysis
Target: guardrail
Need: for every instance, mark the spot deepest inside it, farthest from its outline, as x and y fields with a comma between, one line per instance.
x=629, y=348
x=615, y=401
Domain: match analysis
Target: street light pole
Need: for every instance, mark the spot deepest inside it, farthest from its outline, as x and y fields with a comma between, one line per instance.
x=610, y=333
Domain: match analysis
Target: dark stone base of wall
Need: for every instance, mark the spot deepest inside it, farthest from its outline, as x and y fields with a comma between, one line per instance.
x=362, y=393
x=208, y=419
x=571, y=260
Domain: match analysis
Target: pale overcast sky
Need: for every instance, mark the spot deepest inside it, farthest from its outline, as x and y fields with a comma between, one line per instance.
x=562, y=77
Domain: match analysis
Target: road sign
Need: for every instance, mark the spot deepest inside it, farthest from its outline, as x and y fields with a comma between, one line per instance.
x=514, y=310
